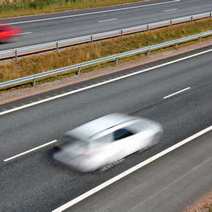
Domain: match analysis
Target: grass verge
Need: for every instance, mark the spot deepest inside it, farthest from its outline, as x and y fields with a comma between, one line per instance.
x=29, y=65
x=9, y=8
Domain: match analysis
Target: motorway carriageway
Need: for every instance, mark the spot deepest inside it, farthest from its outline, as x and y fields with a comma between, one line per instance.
x=171, y=183
x=42, y=29
x=176, y=92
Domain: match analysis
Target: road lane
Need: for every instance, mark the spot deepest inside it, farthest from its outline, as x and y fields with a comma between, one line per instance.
x=41, y=184
x=78, y=25
x=31, y=127
x=168, y=184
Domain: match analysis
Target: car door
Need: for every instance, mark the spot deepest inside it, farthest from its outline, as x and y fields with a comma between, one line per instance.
x=127, y=141
x=109, y=151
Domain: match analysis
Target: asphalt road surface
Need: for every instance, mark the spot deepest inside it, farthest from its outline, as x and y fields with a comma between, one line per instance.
x=178, y=95
x=42, y=29
x=170, y=184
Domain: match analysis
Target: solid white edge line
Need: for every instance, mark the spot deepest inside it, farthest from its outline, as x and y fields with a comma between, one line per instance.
x=176, y=93
x=29, y=151
x=103, y=83
x=92, y=13
x=130, y=171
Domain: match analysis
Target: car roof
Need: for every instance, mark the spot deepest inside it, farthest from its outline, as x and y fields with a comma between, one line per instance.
x=86, y=131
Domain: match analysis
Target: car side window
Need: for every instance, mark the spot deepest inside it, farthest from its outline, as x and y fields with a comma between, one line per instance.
x=122, y=133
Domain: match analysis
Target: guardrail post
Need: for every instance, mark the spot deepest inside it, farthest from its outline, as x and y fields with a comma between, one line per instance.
x=79, y=71
x=121, y=31
x=16, y=54
x=57, y=47
x=33, y=82
x=148, y=52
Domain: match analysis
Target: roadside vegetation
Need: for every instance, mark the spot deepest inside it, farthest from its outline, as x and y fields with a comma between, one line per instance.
x=202, y=205
x=28, y=65
x=10, y=8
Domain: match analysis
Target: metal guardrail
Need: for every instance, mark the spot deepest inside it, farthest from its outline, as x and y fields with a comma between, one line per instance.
x=77, y=67
x=11, y=53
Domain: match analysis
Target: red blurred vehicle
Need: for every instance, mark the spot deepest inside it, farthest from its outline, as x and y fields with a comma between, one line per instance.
x=8, y=32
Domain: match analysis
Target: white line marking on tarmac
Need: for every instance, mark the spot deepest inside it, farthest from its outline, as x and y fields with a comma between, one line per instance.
x=170, y=10
x=26, y=33
x=93, y=13
x=176, y=93
x=29, y=151
x=107, y=20
x=130, y=171
x=102, y=83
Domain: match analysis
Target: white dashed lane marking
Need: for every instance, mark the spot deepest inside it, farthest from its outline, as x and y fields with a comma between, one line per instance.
x=107, y=20
x=26, y=33
x=30, y=151
x=177, y=93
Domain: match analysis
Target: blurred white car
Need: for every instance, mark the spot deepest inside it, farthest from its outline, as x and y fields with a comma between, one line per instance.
x=106, y=140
